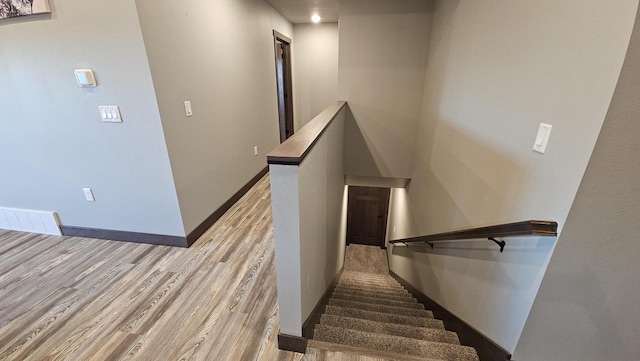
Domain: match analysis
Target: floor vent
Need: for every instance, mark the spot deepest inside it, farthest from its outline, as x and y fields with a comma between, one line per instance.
x=27, y=220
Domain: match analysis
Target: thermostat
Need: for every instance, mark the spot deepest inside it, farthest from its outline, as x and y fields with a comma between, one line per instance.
x=85, y=78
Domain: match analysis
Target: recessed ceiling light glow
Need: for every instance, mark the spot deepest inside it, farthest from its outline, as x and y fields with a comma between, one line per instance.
x=315, y=18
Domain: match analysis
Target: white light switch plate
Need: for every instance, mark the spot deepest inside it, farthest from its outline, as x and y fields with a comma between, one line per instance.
x=110, y=113
x=88, y=194
x=542, y=138
x=187, y=108
x=85, y=78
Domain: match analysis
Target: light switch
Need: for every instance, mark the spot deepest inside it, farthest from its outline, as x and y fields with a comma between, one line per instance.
x=542, y=138
x=88, y=194
x=85, y=78
x=110, y=113
x=187, y=108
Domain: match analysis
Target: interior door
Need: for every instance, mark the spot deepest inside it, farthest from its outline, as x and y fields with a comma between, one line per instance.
x=367, y=215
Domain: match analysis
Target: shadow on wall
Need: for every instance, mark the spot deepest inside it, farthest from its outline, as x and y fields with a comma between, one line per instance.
x=359, y=154
x=378, y=147
x=339, y=238
x=461, y=181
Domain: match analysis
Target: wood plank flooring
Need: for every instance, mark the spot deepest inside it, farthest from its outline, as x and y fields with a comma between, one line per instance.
x=70, y=298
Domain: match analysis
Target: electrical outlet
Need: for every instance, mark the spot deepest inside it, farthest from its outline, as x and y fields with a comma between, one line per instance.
x=88, y=194
x=255, y=150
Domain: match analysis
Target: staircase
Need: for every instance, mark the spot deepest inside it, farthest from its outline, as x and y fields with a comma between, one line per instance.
x=369, y=309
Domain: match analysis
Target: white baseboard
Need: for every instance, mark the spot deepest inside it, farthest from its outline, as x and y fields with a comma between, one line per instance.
x=27, y=220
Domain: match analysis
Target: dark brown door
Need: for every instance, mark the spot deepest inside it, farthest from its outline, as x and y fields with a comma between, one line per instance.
x=367, y=215
x=283, y=81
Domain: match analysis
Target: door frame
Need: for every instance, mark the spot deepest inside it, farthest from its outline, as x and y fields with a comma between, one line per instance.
x=285, y=111
x=386, y=197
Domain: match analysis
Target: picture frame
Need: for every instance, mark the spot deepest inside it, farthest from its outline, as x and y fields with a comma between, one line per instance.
x=19, y=8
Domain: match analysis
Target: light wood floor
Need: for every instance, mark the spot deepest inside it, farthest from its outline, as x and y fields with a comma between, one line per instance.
x=69, y=298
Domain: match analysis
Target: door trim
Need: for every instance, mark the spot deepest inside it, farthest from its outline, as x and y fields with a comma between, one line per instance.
x=285, y=120
x=385, y=198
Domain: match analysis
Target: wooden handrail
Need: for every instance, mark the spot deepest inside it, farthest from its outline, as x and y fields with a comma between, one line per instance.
x=526, y=228
x=293, y=150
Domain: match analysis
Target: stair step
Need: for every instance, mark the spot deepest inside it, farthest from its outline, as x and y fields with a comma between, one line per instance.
x=366, y=275
x=369, y=284
x=365, y=278
x=361, y=258
x=371, y=313
x=413, y=312
x=394, y=329
x=341, y=286
x=378, y=301
x=359, y=353
x=397, y=344
x=404, y=297
x=384, y=317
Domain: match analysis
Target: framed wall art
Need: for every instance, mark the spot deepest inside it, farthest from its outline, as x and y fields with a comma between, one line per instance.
x=18, y=8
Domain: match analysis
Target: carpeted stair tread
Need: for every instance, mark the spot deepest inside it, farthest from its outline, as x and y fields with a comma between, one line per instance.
x=369, y=288
x=384, y=317
x=370, y=284
x=360, y=258
x=343, y=286
x=363, y=353
x=370, y=313
x=403, y=297
x=397, y=344
x=360, y=278
x=394, y=329
x=378, y=301
x=413, y=312
x=367, y=275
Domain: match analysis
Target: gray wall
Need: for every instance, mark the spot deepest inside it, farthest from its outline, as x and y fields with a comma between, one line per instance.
x=309, y=221
x=322, y=214
x=496, y=70
x=383, y=59
x=52, y=140
x=587, y=306
x=315, y=58
x=220, y=56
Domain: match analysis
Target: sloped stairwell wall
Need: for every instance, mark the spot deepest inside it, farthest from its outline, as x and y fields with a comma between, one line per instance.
x=381, y=67
x=495, y=71
x=587, y=306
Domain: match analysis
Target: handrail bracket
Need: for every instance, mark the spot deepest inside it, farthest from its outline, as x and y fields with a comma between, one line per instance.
x=430, y=244
x=499, y=243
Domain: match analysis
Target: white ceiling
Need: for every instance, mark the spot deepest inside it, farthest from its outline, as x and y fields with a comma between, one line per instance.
x=300, y=11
